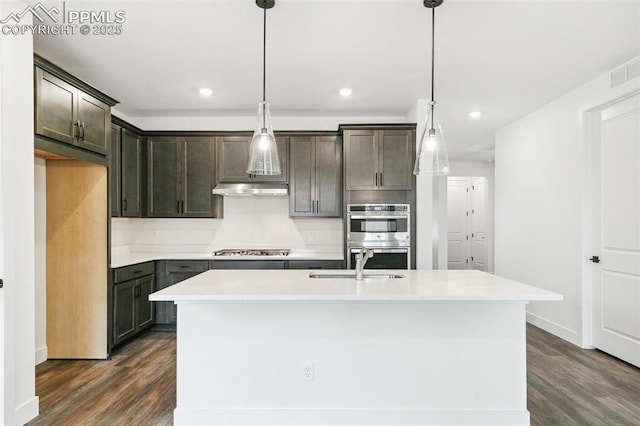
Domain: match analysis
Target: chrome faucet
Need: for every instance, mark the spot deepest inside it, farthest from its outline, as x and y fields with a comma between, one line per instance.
x=361, y=259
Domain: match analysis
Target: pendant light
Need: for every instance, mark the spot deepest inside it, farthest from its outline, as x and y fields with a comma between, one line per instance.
x=263, y=151
x=432, y=158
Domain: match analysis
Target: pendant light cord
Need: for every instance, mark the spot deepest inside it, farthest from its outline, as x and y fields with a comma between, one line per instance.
x=264, y=57
x=433, y=35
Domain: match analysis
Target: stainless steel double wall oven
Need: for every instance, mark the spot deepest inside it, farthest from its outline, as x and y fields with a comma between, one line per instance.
x=383, y=228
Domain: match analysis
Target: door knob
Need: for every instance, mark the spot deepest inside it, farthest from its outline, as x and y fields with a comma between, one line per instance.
x=595, y=259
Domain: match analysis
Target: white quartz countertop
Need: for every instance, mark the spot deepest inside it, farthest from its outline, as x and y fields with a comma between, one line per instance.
x=296, y=285
x=126, y=259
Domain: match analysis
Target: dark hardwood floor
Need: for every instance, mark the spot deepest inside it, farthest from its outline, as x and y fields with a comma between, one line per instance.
x=566, y=385
x=572, y=386
x=136, y=387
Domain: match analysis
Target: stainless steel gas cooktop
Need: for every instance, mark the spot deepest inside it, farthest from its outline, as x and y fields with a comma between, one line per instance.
x=252, y=252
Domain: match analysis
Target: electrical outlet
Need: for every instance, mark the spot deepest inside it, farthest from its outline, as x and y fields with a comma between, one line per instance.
x=306, y=371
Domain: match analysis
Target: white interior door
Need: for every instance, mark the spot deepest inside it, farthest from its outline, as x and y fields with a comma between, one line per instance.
x=2, y=298
x=616, y=209
x=2, y=305
x=457, y=223
x=478, y=219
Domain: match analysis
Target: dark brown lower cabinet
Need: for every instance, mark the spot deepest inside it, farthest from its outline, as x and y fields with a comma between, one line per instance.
x=171, y=272
x=315, y=264
x=133, y=312
x=247, y=264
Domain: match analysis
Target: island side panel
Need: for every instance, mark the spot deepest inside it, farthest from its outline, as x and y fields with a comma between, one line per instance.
x=400, y=362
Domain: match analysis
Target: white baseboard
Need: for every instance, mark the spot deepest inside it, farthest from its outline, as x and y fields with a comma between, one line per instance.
x=41, y=355
x=355, y=417
x=562, y=332
x=26, y=411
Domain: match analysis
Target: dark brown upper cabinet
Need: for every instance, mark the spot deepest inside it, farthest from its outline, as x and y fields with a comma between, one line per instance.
x=180, y=176
x=131, y=173
x=378, y=159
x=315, y=186
x=67, y=114
x=113, y=150
x=233, y=156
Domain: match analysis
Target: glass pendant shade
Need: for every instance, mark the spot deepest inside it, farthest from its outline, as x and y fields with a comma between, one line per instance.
x=432, y=158
x=263, y=151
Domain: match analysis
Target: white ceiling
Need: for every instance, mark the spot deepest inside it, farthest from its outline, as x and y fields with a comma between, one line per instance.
x=504, y=58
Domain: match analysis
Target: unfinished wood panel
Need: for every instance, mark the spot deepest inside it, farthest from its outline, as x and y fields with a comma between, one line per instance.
x=76, y=260
x=48, y=155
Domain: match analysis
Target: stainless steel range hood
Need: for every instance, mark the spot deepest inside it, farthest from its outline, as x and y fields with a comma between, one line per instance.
x=251, y=189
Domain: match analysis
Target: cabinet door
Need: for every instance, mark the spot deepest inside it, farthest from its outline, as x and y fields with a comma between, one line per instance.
x=198, y=177
x=95, y=120
x=175, y=278
x=395, y=159
x=163, y=190
x=131, y=174
x=327, y=180
x=360, y=160
x=283, y=153
x=114, y=170
x=233, y=158
x=144, y=308
x=124, y=307
x=55, y=108
x=302, y=187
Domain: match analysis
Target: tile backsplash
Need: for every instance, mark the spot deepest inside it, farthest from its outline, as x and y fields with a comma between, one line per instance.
x=248, y=222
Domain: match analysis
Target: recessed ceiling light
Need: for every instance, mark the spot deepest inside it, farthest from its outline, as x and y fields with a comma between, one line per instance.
x=205, y=91
x=474, y=114
x=345, y=92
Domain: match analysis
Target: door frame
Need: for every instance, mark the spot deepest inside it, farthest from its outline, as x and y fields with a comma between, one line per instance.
x=591, y=135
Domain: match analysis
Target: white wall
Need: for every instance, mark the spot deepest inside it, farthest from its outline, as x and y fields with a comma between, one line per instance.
x=40, y=207
x=258, y=222
x=17, y=180
x=540, y=188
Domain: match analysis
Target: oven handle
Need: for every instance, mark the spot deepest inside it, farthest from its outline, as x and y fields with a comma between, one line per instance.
x=399, y=216
x=381, y=250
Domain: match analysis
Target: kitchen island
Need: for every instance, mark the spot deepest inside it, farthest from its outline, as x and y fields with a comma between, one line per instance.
x=267, y=347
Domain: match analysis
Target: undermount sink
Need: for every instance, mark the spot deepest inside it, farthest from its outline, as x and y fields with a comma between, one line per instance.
x=384, y=275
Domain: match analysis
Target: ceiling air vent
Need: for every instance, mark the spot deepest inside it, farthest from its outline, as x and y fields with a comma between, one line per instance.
x=625, y=73
x=618, y=76
x=633, y=70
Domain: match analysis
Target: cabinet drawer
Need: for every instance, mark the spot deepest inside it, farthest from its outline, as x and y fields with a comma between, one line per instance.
x=131, y=272
x=315, y=264
x=187, y=265
x=247, y=264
